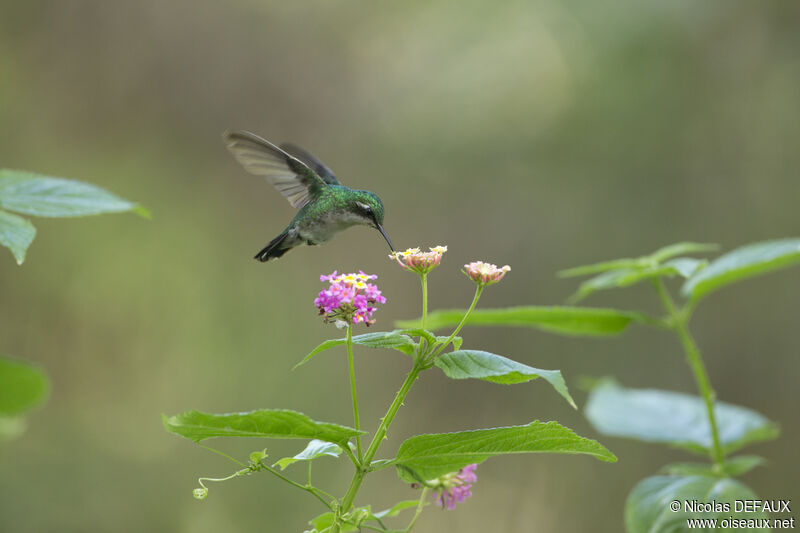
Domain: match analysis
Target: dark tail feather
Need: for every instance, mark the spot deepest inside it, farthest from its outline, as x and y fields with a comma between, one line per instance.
x=273, y=250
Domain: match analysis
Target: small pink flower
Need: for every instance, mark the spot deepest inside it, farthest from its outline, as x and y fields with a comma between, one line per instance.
x=485, y=273
x=349, y=298
x=420, y=262
x=455, y=487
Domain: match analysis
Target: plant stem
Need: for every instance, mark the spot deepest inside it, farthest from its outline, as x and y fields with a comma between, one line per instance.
x=424, y=278
x=223, y=454
x=358, y=477
x=680, y=324
x=307, y=488
x=352, y=368
x=420, y=506
x=475, y=299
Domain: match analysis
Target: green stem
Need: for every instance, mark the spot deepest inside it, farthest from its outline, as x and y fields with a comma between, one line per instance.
x=424, y=278
x=420, y=506
x=358, y=477
x=349, y=453
x=223, y=454
x=352, y=368
x=475, y=299
x=311, y=490
x=680, y=324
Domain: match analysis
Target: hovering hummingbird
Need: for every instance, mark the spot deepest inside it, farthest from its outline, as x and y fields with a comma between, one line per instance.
x=326, y=207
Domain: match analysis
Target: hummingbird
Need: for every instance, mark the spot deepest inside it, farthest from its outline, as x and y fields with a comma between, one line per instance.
x=326, y=207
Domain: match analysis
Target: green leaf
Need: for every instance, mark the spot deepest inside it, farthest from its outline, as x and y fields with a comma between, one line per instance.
x=358, y=515
x=457, y=341
x=418, y=332
x=16, y=234
x=745, y=262
x=648, y=507
x=555, y=319
x=316, y=448
x=23, y=386
x=734, y=466
x=324, y=522
x=741, y=464
x=686, y=267
x=681, y=248
x=396, y=509
x=265, y=423
x=34, y=194
x=258, y=456
x=378, y=339
x=425, y=457
x=596, y=268
x=11, y=427
x=476, y=364
x=646, y=261
x=673, y=418
x=614, y=279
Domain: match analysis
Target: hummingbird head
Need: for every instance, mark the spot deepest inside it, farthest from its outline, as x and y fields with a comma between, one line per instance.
x=369, y=208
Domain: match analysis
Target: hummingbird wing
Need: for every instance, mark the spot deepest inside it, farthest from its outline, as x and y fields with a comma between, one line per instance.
x=293, y=178
x=313, y=163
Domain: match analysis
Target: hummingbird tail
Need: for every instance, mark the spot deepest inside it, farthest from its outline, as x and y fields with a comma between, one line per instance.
x=274, y=249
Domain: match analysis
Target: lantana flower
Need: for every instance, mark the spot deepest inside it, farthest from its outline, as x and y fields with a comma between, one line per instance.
x=349, y=298
x=417, y=261
x=485, y=273
x=454, y=487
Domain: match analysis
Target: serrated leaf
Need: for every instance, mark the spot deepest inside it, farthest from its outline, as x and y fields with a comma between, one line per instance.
x=378, y=339
x=576, y=321
x=745, y=262
x=734, y=466
x=477, y=364
x=425, y=457
x=44, y=196
x=16, y=234
x=673, y=418
x=264, y=423
x=647, y=509
x=316, y=448
x=23, y=386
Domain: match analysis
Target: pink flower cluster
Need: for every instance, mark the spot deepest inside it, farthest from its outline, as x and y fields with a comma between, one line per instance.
x=485, y=273
x=417, y=261
x=456, y=487
x=349, y=298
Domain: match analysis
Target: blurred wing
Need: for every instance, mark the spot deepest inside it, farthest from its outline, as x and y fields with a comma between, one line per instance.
x=313, y=163
x=295, y=181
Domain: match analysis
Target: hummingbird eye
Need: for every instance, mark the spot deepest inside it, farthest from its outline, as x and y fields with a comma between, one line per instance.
x=364, y=208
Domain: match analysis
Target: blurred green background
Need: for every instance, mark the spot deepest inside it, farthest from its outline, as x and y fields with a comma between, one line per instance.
x=540, y=134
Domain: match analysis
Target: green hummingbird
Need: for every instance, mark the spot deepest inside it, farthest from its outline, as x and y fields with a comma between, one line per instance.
x=326, y=206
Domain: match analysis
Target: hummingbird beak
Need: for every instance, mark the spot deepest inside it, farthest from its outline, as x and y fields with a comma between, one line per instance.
x=383, y=232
